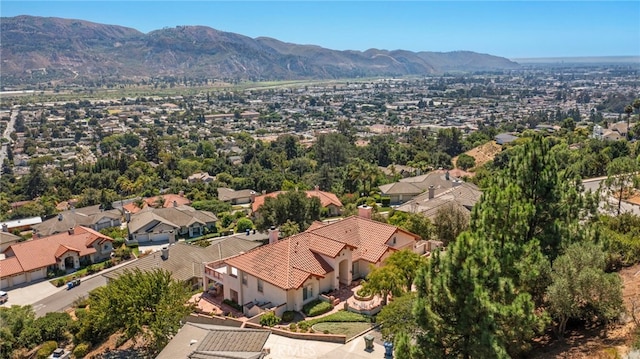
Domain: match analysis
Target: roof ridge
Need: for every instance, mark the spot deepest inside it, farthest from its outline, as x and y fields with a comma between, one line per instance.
x=288, y=260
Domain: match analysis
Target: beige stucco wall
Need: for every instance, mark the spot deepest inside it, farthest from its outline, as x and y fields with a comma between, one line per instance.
x=249, y=292
x=402, y=241
x=344, y=254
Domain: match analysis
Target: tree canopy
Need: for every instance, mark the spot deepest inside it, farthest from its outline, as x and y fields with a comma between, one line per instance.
x=139, y=303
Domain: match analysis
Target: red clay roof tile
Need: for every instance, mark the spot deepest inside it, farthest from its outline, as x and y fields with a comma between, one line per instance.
x=42, y=252
x=288, y=263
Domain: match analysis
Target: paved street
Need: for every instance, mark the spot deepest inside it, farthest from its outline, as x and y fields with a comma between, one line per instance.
x=64, y=298
x=608, y=204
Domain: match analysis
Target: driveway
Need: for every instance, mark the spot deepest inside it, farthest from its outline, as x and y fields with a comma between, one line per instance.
x=30, y=294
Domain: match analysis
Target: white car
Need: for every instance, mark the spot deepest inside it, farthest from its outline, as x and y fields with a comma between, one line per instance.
x=4, y=297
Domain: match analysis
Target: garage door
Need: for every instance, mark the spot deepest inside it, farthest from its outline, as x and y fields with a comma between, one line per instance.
x=19, y=279
x=3, y=283
x=141, y=238
x=38, y=275
x=157, y=237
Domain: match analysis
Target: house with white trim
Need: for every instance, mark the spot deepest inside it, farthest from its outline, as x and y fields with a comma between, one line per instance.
x=29, y=261
x=291, y=272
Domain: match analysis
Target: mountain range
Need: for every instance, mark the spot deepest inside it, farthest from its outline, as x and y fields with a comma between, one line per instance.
x=38, y=49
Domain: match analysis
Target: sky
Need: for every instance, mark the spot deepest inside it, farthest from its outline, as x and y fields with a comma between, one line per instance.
x=513, y=29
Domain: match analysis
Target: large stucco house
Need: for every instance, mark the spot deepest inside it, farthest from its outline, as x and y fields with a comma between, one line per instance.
x=291, y=272
x=29, y=261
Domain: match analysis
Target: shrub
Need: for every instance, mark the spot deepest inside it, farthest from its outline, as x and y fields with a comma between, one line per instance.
x=59, y=282
x=243, y=225
x=81, y=302
x=118, y=242
x=326, y=331
x=269, y=319
x=385, y=201
x=232, y=304
x=293, y=327
x=30, y=336
x=123, y=252
x=46, y=349
x=316, y=307
x=81, y=350
x=304, y=326
x=288, y=316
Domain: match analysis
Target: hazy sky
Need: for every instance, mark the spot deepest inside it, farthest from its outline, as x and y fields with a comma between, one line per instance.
x=513, y=29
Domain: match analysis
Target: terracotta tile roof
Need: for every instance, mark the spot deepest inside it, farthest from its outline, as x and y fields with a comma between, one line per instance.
x=315, y=224
x=62, y=249
x=326, y=198
x=10, y=266
x=367, y=236
x=289, y=262
x=41, y=252
x=286, y=264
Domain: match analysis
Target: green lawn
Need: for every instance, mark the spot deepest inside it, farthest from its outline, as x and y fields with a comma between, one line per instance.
x=350, y=329
x=340, y=316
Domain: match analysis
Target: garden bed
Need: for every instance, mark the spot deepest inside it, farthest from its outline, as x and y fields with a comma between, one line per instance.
x=349, y=329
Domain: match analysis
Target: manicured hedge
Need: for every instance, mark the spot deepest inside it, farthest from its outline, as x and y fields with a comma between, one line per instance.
x=316, y=307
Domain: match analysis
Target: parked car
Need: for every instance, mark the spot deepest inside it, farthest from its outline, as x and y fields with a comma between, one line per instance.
x=4, y=297
x=73, y=283
x=60, y=354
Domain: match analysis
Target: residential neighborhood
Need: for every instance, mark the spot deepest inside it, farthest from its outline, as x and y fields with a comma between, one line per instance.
x=268, y=213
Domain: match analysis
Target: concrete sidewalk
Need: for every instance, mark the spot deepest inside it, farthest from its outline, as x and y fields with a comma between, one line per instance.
x=33, y=292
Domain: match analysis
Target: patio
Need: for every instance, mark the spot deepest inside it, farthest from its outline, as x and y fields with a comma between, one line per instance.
x=213, y=305
x=363, y=306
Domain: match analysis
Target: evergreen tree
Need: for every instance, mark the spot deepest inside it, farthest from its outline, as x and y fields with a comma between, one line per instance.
x=402, y=346
x=152, y=147
x=466, y=309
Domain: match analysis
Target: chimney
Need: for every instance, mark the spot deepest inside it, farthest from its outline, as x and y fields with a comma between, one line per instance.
x=71, y=231
x=365, y=211
x=175, y=203
x=165, y=253
x=446, y=175
x=253, y=196
x=172, y=237
x=274, y=235
x=35, y=235
x=5, y=228
x=264, y=191
x=181, y=194
x=457, y=182
x=432, y=192
x=317, y=188
x=127, y=216
x=60, y=217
